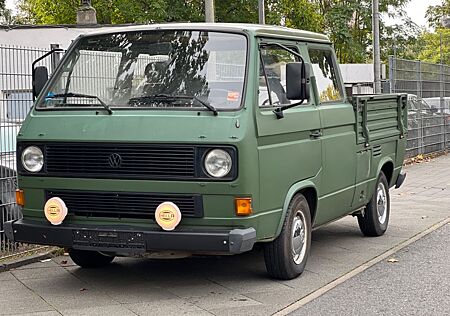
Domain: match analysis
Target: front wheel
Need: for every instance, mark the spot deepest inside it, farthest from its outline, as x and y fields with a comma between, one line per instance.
x=89, y=259
x=374, y=219
x=286, y=256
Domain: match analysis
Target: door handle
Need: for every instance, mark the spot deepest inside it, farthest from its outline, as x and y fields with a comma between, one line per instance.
x=315, y=133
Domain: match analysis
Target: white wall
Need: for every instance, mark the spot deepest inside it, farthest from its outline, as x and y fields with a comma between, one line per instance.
x=42, y=37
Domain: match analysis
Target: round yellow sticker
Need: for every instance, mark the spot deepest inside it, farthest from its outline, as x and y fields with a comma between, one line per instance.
x=55, y=210
x=168, y=215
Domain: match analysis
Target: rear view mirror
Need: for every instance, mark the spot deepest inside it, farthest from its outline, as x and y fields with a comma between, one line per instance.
x=298, y=85
x=40, y=74
x=40, y=77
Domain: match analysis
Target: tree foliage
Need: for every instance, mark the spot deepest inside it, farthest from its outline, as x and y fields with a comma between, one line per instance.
x=348, y=23
x=435, y=13
x=112, y=11
x=431, y=46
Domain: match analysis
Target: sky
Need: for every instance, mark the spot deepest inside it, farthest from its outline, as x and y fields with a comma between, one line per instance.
x=415, y=9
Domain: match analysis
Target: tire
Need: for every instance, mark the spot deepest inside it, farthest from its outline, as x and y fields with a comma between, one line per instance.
x=373, y=222
x=282, y=260
x=89, y=259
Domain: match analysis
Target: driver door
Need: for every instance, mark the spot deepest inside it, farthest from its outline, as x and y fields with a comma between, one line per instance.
x=288, y=149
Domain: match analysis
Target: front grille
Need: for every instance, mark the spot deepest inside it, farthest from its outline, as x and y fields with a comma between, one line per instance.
x=142, y=161
x=125, y=204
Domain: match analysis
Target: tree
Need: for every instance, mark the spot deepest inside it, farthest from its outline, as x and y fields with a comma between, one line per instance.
x=431, y=44
x=2, y=10
x=348, y=23
x=402, y=40
x=434, y=14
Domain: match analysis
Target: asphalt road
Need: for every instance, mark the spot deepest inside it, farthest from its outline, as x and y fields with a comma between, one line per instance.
x=417, y=284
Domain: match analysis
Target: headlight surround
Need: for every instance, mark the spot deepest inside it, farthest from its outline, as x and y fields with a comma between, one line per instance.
x=32, y=159
x=218, y=163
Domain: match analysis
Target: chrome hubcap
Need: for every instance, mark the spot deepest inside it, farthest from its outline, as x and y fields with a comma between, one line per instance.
x=381, y=203
x=299, y=238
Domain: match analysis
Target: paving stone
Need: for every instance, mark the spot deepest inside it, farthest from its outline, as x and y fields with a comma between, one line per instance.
x=244, y=285
x=68, y=292
x=39, y=273
x=138, y=292
x=196, y=289
x=165, y=307
x=45, y=264
x=48, y=313
x=23, y=301
x=6, y=276
x=245, y=310
x=217, y=301
x=115, y=310
x=10, y=286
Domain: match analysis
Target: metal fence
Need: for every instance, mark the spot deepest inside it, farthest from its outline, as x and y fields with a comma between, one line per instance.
x=428, y=115
x=15, y=101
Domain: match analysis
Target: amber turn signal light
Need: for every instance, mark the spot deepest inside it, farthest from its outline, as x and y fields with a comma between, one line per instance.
x=243, y=206
x=20, y=198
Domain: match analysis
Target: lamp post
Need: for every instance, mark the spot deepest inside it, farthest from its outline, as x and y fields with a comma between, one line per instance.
x=446, y=24
x=261, y=13
x=209, y=11
x=376, y=46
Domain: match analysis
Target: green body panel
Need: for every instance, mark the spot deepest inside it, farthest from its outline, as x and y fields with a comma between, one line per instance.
x=338, y=161
x=276, y=158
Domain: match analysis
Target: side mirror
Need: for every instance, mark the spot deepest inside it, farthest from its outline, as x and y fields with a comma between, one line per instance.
x=298, y=86
x=40, y=77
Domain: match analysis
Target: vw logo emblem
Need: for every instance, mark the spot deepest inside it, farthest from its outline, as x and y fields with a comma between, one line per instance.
x=115, y=160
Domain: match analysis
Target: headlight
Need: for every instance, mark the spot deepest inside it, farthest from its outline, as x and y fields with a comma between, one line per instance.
x=32, y=159
x=218, y=163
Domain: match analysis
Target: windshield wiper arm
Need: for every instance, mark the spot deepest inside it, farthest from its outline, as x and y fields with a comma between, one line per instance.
x=81, y=95
x=189, y=97
x=163, y=96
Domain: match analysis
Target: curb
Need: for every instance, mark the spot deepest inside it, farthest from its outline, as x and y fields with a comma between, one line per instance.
x=319, y=292
x=13, y=264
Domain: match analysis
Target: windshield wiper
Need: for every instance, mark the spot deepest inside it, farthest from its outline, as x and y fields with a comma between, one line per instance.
x=167, y=97
x=81, y=95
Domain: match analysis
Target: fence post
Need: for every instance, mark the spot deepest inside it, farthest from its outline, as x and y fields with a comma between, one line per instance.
x=442, y=105
x=420, y=133
x=419, y=78
x=391, y=75
x=54, y=57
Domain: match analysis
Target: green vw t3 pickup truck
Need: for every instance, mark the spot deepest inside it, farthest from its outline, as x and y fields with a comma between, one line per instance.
x=202, y=139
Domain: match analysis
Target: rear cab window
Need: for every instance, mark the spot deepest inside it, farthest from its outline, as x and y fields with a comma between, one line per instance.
x=323, y=61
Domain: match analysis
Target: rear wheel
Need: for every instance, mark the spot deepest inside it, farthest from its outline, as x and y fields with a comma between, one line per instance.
x=89, y=259
x=374, y=220
x=286, y=256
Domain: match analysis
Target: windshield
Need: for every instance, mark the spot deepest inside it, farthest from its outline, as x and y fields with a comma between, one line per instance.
x=134, y=69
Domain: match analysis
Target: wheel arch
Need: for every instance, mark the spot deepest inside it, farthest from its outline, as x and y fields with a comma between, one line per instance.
x=309, y=191
x=387, y=166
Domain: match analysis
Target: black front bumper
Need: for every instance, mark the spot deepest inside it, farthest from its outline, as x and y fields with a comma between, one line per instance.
x=127, y=239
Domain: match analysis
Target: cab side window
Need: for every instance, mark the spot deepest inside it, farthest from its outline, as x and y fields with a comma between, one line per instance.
x=272, y=75
x=324, y=70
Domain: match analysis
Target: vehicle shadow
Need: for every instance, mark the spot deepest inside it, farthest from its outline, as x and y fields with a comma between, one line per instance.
x=244, y=267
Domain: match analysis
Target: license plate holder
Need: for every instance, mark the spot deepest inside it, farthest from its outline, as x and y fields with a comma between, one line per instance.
x=108, y=239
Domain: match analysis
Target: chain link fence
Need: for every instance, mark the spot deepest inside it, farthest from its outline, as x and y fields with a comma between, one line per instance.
x=429, y=106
